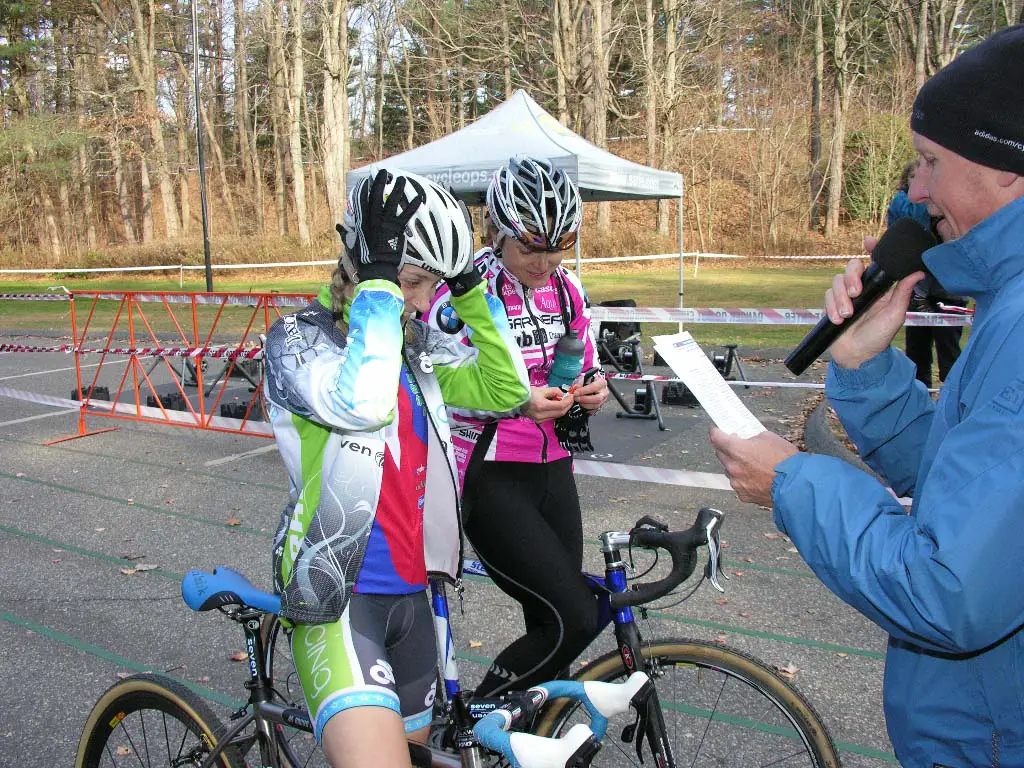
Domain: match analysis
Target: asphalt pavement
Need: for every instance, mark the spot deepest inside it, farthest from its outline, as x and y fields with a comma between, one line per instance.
x=77, y=514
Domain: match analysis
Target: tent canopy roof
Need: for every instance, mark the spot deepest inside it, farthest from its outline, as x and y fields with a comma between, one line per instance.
x=467, y=158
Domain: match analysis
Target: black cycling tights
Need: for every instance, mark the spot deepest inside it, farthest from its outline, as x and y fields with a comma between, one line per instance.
x=524, y=522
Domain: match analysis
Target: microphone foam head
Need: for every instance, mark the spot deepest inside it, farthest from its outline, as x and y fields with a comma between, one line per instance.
x=900, y=248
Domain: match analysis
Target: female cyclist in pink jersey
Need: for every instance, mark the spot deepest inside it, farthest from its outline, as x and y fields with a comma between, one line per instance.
x=357, y=389
x=521, y=508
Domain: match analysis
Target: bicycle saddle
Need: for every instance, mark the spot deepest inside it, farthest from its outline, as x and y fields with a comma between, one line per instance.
x=204, y=591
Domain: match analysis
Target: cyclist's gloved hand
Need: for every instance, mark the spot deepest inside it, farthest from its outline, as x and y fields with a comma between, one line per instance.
x=382, y=227
x=465, y=281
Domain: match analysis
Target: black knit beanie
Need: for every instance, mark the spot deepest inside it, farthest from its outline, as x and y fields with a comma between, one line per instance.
x=974, y=106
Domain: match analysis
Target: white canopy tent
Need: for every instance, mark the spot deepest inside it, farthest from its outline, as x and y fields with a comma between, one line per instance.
x=467, y=158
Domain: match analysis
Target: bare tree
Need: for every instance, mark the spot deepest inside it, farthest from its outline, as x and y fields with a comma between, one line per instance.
x=296, y=88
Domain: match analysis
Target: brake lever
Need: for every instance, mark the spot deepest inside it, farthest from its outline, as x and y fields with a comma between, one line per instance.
x=650, y=522
x=713, y=531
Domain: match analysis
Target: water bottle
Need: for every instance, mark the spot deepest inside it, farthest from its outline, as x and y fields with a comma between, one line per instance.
x=568, y=361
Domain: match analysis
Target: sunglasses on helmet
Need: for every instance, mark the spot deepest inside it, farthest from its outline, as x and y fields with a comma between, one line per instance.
x=540, y=242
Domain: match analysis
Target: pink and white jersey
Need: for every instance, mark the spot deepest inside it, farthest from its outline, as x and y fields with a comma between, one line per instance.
x=537, y=318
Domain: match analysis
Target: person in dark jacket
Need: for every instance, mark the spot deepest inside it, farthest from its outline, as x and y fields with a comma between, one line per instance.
x=946, y=581
x=928, y=294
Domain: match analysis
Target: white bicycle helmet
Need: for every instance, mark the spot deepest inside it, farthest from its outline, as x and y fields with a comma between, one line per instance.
x=536, y=203
x=439, y=237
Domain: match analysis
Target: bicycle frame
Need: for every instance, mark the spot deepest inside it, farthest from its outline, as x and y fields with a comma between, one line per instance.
x=627, y=636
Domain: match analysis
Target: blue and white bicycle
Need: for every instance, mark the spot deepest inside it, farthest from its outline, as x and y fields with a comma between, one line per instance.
x=657, y=702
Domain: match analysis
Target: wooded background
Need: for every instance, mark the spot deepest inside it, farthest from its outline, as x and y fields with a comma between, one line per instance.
x=787, y=118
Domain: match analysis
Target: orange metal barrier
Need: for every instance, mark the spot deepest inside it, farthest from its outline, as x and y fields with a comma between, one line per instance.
x=163, y=330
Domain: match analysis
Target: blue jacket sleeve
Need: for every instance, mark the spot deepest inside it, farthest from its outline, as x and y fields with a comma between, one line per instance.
x=886, y=412
x=946, y=577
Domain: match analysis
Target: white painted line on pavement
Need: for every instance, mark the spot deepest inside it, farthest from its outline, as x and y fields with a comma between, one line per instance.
x=237, y=456
x=63, y=370
x=36, y=418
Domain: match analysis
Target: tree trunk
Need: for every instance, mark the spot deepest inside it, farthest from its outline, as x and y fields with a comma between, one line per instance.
x=557, y=47
x=921, y=46
x=335, y=113
x=296, y=89
x=146, y=201
x=837, y=149
x=668, y=126
x=816, y=177
x=247, y=154
x=278, y=119
x=597, y=117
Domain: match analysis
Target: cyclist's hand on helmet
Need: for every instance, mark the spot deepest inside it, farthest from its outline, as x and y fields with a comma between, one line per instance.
x=464, y=281
x=384, y=218
x=546, y=404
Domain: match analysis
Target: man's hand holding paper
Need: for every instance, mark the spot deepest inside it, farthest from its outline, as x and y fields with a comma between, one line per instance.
x=749, y=453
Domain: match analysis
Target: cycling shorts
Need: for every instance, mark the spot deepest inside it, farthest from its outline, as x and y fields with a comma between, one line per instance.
x=380, y=653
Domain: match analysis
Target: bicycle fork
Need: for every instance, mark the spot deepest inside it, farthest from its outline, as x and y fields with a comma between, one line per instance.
x=650, y=721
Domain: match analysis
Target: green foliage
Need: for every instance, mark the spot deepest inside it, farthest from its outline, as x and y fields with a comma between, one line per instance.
x=875, y=155
x=40, y=146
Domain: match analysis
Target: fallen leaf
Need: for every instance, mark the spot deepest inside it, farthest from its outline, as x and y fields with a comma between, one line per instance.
x=122, y=675
x=773, y=535
x=746, y=615
x=58, y=550
x=168, y=501
x=722, y=601
x=720, y=640
x=146, y=567
x=239, y=656
x=737, y=573
x=55, y=561
x=233, y=521
x=748, y=559
x=793, y=549
x=99, y=530
x=22, y=474
x=203, y=679
x=475, y=644
x=787, y=671
x=122, y=751
x=129, y=502
x=127, y=571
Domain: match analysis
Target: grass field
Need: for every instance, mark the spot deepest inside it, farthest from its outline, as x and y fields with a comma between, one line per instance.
x=755, y=286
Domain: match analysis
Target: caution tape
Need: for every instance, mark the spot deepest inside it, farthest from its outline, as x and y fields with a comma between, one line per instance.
x=231, y=299
x=652, y=474
x=738, y=383
x=746, y=316
x=228, y=353
x=252, y=427
x=35, y=297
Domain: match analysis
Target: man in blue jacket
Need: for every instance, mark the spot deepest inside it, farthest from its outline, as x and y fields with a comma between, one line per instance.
x=946, y=581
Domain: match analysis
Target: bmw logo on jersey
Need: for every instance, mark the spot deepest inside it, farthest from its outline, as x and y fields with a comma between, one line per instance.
x=448, y=319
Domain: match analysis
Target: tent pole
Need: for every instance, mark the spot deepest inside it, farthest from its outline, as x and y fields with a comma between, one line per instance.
x=579, y=266
x=681, y=254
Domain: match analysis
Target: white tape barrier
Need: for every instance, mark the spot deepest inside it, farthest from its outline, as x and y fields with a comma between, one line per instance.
x=652, y=474
x=745, y=316
x=696, y=315
x=180, y=417
x=332, y=262
x=582, y=467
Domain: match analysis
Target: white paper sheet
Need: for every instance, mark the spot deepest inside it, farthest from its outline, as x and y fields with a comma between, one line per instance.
x=689, y=363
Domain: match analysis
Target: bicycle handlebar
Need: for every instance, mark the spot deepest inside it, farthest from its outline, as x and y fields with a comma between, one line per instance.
x=682, y=547
x=579, y=745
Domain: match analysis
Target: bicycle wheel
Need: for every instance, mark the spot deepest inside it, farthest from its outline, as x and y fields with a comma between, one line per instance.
x=153, y=721
x=280, y=670
x=721, y=707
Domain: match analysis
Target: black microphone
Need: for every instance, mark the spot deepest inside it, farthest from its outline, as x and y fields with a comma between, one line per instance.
x=897, y=254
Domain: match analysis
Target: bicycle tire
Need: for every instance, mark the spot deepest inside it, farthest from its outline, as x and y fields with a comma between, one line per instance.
x=116, y=729
x=710, y=718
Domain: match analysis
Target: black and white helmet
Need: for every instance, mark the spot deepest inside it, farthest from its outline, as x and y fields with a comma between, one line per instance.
x=438, y=237
x=536, y=203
